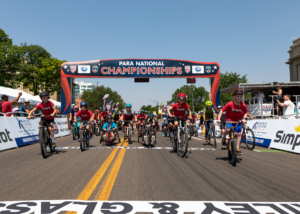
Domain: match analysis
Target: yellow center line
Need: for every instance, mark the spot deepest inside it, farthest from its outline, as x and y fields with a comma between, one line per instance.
x=108, y=183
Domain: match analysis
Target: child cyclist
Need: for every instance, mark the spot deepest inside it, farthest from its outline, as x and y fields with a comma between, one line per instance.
x=103, y=115
x=111, y=125
x=171, y=122
x=235, y=110
x=153, y=122
x=48, y=109
x=96, y=117
x=141, y=117
x=179, y=110
x=208, y=115
x=128, y=115
x=86, y=116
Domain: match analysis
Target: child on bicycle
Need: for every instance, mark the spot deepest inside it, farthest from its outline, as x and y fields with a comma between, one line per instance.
x=180, y=109
x=153, y=121
x=111, y=125
x=208, y=116
x=141, y=117
x=86, y=116
x=235, y=110
x=96, y=117
x=103, y=115
x=128, y=115
x=48, y=109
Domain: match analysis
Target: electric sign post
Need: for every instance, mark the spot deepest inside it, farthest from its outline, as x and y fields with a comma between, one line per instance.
x=138, y=68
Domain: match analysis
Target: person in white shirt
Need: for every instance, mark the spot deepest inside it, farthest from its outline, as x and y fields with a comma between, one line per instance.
x=288, y=107
x=260, y=97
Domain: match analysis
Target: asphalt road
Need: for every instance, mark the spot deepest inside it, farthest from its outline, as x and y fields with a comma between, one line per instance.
x=148, y=174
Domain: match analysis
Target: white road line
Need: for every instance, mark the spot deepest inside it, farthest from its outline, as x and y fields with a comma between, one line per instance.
x=121, y=147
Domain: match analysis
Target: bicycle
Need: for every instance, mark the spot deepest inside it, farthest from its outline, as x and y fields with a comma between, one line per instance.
x=129, y=131
x=212, y=134
x=97, y=128
x=84, y=136
x=75, y=131
x=248, y=137
x=231, y=144
x=151, y=136
x=192, y=130
x=44, y=137
x=142, y=127
x=181, y=137
x=166, y=131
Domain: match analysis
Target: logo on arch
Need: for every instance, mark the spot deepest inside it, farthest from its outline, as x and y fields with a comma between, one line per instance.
x=84, y=69
x=198, y=69
x=187, y=69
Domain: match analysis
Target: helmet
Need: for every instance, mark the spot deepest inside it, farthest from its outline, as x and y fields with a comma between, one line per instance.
x=104, y=108
x=109, y=117
x=238, y=91
x=208, y=103
x=182, y=96
x=138, y=112
x=97, y=111
x=128, y=105
x=75, y=106
x=142, y=111
x=44, y=93
x=83, y=104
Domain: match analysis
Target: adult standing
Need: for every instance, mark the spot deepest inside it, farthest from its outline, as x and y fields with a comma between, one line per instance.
x=6, y=105
x=278, y=97
x=223, y=119
x=201, y=123
x=25, y=108
x=260, y=97
x=288, y=107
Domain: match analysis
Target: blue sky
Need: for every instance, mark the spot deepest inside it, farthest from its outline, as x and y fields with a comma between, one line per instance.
x=248, y=37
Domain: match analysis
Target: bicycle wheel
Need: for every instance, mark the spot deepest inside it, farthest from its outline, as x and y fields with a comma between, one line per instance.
x=43, y=143
x=249, y=138
x=214, y=136
x=190, y=132
x=233, y=152
x=208, y=137
x=74, y=134
x=87, y=139
x=129, y=136
x=101, y=138
x=82, y=141
x=196, y=132
x=183, y=145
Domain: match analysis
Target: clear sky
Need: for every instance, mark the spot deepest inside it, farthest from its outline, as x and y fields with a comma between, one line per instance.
x=248, y=37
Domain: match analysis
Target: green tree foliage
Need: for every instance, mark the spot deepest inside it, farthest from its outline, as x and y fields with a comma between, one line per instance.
x=230, y=79
x=200, y=95
x=95, y=96
x=149, y=108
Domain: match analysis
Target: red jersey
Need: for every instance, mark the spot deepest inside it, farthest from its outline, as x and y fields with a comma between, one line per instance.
x=96, y=117
x=128, y=115
x=179, y=111
x=193, y=118
x=141, y=117
x=235, y=112
x=47, y=109
x=84, y=115
x=104, y=115
x=6, y=107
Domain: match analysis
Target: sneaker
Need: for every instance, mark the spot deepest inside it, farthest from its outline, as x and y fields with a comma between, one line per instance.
x=91, y=137
x=54, y=144
x=223, y=143
x=238, y=151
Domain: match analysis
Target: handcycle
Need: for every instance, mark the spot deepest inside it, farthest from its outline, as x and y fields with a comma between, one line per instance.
x=44, y=137
x=84, y=136
x=212, y=134
x=181, y=138
x=148, y=135
x=108, y=136
x=248, y=137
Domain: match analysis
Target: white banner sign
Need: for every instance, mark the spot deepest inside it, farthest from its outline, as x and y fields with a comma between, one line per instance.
x=7, y=139
x=156, y=207
x=62, y=126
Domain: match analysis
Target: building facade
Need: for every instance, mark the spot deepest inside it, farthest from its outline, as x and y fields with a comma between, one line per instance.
x=81, y=87
x=294, y=60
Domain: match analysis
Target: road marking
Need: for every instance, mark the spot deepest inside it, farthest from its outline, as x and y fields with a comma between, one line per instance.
x=89, y=188
x=106, y=188
x=269, y=150
x=125, y=147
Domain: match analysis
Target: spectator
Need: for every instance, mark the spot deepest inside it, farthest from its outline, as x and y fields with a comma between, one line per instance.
x=260, y=97
x=25, y=108
x=201, y=123
x=278, y=97
x=6, y=105
x=288, y=107
x=58, y=112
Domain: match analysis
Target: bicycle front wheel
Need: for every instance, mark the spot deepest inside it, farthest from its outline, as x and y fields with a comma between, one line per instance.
x=249, y=138
x=233, y=152
x=82, y=141
x=214, y=137
x=43, y=143
x=183, y=145
x=190, y=133
x=129, y=136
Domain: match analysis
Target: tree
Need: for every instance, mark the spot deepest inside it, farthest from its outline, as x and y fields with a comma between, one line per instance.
x=200, y=95
x=149, y=108
x=229, y=79
x=95, y=96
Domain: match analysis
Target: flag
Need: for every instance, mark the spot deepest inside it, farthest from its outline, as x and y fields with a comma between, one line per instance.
x=172, y=103
x=104, y=100
x=111, y=101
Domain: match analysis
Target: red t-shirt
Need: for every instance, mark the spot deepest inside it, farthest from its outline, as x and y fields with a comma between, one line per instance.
x=6, y=107
x=128, y=116
x=193, y=118
x=235, y=112
x=84, y=115
x=96, y=117
x=104, y=115
x=46, y=109
x=179, y=111
x=141, y=117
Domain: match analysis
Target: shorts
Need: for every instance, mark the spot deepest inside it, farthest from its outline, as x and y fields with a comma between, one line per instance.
x=223, y=124
x=238, y=129
x=201, y=122
x=182, y=121
x=81, y=123
x=48, y=123
x=126, y=123
x=207, y=124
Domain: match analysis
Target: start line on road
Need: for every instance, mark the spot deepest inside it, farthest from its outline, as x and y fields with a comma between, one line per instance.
x=122, y=147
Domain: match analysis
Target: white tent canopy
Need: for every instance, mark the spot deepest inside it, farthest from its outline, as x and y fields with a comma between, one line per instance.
x=13, y=93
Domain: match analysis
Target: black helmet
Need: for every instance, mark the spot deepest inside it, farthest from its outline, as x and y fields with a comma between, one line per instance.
x=44, y=93
x=109, y=117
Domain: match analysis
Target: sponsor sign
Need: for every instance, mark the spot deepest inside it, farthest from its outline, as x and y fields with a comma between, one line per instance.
x=84, y=69
x=95, y=68
x=187, y=69
x=162, y=207
x=7, y=140
x=208, y=69
x=62, y=126
x=73, y=68
x=198, y=69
